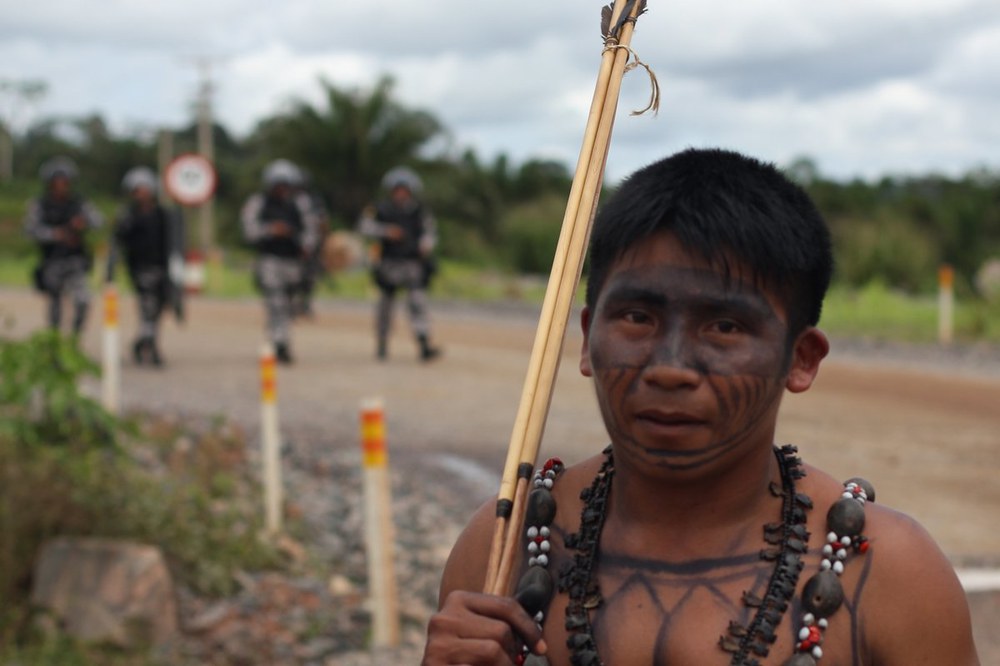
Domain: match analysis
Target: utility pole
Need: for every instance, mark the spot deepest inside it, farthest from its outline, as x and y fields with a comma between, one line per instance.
x=206, y=149
x=22, y=93
x=164, y=153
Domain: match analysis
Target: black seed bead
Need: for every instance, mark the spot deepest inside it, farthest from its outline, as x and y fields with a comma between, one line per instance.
x=541, y=508
x=585, y=658
x=865, y=486
x=823, y=594
x=576, y=621
x=846, y=517
x=535, y=590
x=793, y=563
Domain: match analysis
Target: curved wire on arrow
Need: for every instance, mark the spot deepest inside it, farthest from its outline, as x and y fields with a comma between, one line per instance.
x=567, y=264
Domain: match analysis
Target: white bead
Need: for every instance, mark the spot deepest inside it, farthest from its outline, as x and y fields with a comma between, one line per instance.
x=848, y=495
x=550, y=474
x=532, y=561
x=532, y=547
x=545, y=531
x=538, y=482
x=808, y=619
x=545, y=546
x=825, y=565
x=845, y=540
x=817, y=652
x=542, y=560
x=838, y=567
x=828, y=550
x=548, y=483
x=832, y=537
x=803, y=633
x=823, y=623
x=841, y=554
x=532, y=532
x=539, y=617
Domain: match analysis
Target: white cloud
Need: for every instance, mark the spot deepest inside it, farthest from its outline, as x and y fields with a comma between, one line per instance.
x=862, y=86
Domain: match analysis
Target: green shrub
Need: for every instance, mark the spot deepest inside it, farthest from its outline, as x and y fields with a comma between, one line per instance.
x=68, y=467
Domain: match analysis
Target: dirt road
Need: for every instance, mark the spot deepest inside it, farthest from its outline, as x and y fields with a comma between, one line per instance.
x=927, y=435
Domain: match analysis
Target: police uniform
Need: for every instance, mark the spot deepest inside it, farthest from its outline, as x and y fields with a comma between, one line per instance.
x=145, y=231
x=59, y=223
x=280, y=265
x=406, y=235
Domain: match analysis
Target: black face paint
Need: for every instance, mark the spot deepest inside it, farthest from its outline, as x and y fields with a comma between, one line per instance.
x=687, y=362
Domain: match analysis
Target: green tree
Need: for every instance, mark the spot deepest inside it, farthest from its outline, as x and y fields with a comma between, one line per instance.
x=348, y=142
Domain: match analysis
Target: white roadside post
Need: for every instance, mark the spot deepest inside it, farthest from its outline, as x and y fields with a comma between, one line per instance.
x=379, y=535
x=110, y=357
x=946, y=304
x=270, y=441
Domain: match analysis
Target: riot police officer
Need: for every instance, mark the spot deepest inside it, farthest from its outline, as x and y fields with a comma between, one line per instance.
x=59, y=221
x=280, y=224
x=148, y=234
x=406, y=234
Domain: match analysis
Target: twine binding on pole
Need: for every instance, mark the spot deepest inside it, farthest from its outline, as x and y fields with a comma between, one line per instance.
x=654, y=84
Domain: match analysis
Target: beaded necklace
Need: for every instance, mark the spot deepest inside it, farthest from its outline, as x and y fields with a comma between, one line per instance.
x=787, y=544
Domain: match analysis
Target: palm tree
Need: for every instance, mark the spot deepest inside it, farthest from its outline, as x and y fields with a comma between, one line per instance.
x=348, y=144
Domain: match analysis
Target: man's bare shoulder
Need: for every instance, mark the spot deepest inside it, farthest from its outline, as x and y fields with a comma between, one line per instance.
x=907, y=587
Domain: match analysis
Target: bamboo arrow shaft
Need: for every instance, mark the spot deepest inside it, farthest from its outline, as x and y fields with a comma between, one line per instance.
x=560, y=293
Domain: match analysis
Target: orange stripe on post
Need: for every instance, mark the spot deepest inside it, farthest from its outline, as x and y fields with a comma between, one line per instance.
x=268, y=378
x=373, y=451
x=946, y=276
x=110, y=306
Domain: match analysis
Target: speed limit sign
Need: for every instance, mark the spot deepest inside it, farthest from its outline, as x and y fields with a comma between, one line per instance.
x=190, y=179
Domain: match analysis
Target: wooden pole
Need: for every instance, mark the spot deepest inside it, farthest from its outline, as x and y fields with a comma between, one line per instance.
x=560, y=293
x=110, y=356
x=270, y=441
x=379, y=532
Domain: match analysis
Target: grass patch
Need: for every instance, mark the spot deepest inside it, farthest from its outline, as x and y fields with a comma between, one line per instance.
x=876, y=311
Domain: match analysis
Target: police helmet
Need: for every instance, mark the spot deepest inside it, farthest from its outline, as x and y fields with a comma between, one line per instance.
x=402, y=176
x=281, y=171
x=58, y=166
x=139, y=177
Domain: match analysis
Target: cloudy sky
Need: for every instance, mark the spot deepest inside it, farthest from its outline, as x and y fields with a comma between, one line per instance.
x=863, y=87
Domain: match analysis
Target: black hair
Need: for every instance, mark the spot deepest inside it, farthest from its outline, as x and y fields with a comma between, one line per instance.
x=729, y=208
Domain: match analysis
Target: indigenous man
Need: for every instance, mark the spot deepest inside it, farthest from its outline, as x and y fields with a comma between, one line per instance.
x=59, y=221
x=693, y=540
